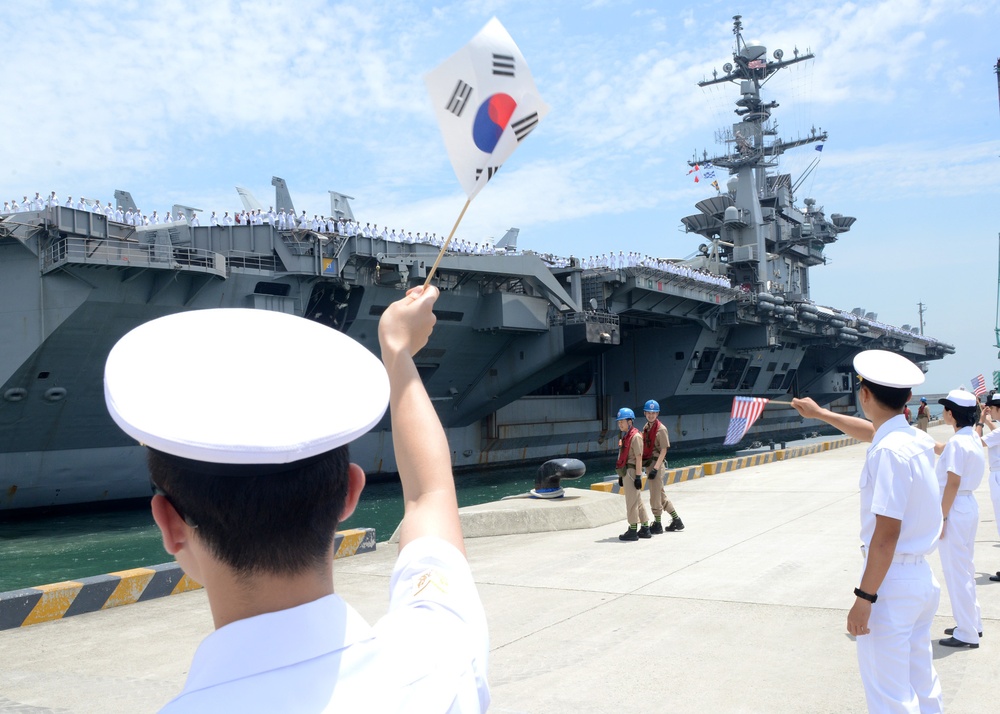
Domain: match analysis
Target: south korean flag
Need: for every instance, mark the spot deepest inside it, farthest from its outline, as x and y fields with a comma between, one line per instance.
x=486, y=103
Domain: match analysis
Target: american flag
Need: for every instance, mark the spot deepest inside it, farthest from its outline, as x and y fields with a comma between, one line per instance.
x=979, y=385
x=756, y=64
x=746, y=410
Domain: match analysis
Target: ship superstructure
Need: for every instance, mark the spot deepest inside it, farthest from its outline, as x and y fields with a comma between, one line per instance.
x=531, y=356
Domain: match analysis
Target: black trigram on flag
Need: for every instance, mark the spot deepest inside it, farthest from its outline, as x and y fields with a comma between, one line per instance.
x=523, y=127
x=459, y=98
x=503, y=64
x=490, y=172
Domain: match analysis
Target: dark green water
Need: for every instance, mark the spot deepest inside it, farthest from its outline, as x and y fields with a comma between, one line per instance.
x=53, y=548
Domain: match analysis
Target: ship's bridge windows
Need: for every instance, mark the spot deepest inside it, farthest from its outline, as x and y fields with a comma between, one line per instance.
x=789, y=379
x=776, y=381
x=704, y=368
x=267, y=288
x=730, y=373
x=750, y=378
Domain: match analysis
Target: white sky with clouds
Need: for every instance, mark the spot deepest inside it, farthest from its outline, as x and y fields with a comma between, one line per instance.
x=179, y=101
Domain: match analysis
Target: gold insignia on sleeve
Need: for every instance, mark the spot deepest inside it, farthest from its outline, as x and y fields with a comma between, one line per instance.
x=430, y=577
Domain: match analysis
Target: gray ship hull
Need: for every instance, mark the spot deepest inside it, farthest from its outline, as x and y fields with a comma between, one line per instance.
x=531, y=356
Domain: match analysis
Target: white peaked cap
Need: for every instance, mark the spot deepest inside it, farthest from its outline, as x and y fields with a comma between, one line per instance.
x=888, y=369
x=960, y=398
x=240, y=386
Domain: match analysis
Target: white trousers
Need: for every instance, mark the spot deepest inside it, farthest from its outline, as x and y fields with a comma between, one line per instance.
x=895, y=658
x=959, y=571
x=995, y=496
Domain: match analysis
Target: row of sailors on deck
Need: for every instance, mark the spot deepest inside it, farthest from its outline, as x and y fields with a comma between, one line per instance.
x=130, y=217
x=633, y=259
x=280, y=220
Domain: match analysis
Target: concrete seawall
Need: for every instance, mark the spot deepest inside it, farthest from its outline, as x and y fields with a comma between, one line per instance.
x=30, y=606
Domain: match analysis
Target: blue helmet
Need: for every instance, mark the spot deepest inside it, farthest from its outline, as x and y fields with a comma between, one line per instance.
x=626, y=413
x=652, y=406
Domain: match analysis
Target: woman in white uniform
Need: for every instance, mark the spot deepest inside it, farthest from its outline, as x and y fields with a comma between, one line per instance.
x=960, y=471
x=991, y=415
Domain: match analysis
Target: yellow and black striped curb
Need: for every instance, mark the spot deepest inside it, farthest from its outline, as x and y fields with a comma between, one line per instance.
x=712, y=468
x=720, y=467
x=796, y=451
x=685, y=473
x=838, y=443
x=30, y=606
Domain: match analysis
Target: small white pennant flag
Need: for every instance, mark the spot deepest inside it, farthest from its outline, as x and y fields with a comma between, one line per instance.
x=486, y=103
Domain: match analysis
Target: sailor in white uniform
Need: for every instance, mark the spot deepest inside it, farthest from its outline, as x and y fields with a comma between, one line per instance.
x=960, y=472
x=895, y=602
x=248, y=503
x=987, y=429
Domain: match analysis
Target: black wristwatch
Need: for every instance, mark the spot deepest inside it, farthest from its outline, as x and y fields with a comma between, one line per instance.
x=865, y=596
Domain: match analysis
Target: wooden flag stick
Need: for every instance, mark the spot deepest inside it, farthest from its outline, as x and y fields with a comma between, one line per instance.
x=787, y=404
x=448, y=241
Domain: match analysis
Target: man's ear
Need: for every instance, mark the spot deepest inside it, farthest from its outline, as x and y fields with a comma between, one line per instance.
x=355, y=484
x=172, y=526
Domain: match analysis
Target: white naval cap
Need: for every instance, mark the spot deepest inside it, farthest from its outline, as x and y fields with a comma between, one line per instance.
x=888, y=369
x=241, y=386
x=960, y=398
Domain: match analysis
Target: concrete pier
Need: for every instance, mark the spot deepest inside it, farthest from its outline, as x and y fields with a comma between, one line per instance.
x=744, y=611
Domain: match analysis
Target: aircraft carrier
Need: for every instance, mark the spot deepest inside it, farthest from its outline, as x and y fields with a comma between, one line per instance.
x=531, y=356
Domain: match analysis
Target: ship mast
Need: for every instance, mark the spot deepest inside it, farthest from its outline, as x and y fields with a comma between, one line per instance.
x=751, y=155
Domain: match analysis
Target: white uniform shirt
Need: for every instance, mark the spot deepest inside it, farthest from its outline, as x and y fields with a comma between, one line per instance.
x=992, y=441
x=962, y=455
x=898, y=481
x=428, y=654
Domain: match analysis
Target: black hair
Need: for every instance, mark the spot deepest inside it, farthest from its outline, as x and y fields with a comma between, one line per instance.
x=964, y=416
x=894, y=398
x=279, y=523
